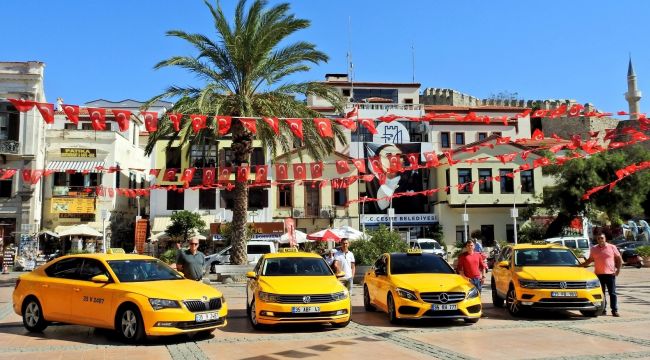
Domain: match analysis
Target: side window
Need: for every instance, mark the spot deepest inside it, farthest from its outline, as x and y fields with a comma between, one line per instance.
x=583, y=244
x=65, y=269
x=506, y=254
x=91, y=268
x=570, y=244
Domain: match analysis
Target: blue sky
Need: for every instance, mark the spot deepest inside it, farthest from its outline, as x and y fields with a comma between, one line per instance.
x=552, y=49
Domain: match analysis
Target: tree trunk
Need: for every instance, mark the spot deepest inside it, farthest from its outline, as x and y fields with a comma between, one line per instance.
x=241, y=147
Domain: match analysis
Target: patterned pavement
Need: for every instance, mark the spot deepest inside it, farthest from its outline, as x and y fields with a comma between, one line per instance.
x=563, y=335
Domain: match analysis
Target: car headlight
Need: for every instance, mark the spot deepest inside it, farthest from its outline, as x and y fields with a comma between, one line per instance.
x=528, y=284
x=342, y=295
x=268, y=297
x=473, y=293
x=406, y=294
x=592, y=284
x=158, y=304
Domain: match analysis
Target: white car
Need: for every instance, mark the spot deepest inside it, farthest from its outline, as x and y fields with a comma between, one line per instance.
x=429, y=246
x=573, y=242
x=254, y=249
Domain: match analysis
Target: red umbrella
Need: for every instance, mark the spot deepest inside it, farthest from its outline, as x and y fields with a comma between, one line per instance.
x=324, y=235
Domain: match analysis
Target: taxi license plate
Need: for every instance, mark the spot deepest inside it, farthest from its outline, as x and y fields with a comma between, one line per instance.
x=564, y=293
x=305, y=309
x=444, y=307
x=203, y=317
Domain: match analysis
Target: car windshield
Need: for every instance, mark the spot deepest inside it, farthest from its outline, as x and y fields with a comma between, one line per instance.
x=142, y=270
x=296, y=266
x=418, y=264
x=428, y=246
x=545, y=257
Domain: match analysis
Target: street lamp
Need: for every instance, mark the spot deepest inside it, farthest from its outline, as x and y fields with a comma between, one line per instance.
x=465, y=218
x=104, y=217
x=391, y=214
x=514, y=214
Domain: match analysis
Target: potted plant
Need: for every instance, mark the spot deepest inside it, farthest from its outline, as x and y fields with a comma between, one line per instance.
x=644, y=253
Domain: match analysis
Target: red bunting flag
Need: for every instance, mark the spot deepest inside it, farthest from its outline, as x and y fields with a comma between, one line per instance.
x=324, y=127
x=199, y=122
x=316, y=169
x=471, y=149
x=450, y=159
x=243, y=172
x=506, y=158
x=524, y=113
x=224, y=174
x=431, y=159
x=97, y=118
x=209, y=175
x=223, y=124
x=261, y=173
x=176, y=120
x=188, y=174
x=525, y=167
x=525, y=153
x=47, y=111
x=273, y=123
x=122, y=118
x=555, y=148
x=22, y=105
x=367, y=178
x=170, y=175
x=154, y=172
x=348, y=124
x=576, y=109
x=150, y=120
x=299, y=171
x=381, y=178
x=295, y=125
x=388, y=118
x=72, y=112
x=541, y=162
x=503, y=140
x=395, y=163
x=375, y=165
x=370, y=125
x=342, y=166
x=540, y=113
x=561, y=110
x=281, y=171
x=537, y=135
x=8, y=174
x=414, y=161
x=353, y=113
x=250, y=125
x=360, y=164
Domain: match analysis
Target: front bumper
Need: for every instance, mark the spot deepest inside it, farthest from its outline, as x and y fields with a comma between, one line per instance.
x=275, y=313
x=544, y=299
x=177, y=321
x=465, y=309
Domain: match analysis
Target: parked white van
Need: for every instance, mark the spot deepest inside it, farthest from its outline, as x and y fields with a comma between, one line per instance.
x=254, y=249
x=573, y=242
x=430, y=246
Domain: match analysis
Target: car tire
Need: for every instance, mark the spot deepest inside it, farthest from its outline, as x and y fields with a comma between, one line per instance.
x=252, y=316
x=590, y=313
x=471, y=320
x=366, y=299
x=512, y=304
x=392, y=312
x=129, y=324
x=341, y=324
x=497, y=301
x=33, y=318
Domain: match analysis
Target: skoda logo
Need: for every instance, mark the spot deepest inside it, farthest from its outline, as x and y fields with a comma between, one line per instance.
x=306, y=299
x=562, y=284
x=443, y=298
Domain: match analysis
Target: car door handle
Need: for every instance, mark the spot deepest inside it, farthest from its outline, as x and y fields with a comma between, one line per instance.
x=76, y=289
x=45, y=285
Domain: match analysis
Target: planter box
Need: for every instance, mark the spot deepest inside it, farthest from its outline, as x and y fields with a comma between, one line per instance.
x=646, y=261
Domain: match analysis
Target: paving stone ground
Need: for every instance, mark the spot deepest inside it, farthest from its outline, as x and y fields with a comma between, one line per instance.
x=564, y=335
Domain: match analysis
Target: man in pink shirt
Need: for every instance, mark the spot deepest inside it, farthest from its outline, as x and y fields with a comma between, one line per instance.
x=471, y=265
x=607, y=262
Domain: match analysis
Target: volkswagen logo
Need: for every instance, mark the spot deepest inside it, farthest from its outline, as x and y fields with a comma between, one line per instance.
x=204, y=298
x=306, y=299
x=443, y=298
x=562, y=284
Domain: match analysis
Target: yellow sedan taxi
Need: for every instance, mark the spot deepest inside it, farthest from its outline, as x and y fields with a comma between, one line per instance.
x=134, y=294
x=544, y=277
x=292, y=287
x=414, y=285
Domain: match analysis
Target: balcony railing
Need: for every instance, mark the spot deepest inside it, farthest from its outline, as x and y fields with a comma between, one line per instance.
x=9, y=147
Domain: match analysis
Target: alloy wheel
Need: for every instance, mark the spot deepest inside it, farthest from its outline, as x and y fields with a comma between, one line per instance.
x=129, y=324
x=512, y=303
x=32, y=314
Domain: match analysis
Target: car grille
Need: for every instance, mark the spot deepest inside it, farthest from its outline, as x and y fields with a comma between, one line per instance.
x=435, y=297
x=557, y=285
x=306, y=315
x=198, y=305
x=442, y=313
x=189, y=325
x=300, y=299
x=563, y=302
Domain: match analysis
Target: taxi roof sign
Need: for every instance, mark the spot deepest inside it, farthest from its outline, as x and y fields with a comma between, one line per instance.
x=289, y=249
x=414, y=251
x=115, y=251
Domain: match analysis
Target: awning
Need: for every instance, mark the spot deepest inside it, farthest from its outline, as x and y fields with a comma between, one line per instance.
x=79, y=166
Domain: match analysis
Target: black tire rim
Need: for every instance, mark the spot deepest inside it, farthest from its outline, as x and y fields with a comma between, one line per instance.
x=129, y=324
x=32, y=314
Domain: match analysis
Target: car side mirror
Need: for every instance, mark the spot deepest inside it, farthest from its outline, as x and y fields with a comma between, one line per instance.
x=251, y=275
x=99, y=279
x=340, y=274
x=504, y=264
x=379, y=272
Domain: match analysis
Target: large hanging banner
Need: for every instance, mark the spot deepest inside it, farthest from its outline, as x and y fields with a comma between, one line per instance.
x=73, y=205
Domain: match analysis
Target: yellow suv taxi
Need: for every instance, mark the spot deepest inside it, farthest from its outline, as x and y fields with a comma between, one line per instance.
x=414, y=285
x=293, y=287
x=135, y=295
x=544, y=277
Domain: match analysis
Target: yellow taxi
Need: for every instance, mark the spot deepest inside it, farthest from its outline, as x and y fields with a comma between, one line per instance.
x=292, y=287
x=414, y=285
x=133, y=294
x=544, y=277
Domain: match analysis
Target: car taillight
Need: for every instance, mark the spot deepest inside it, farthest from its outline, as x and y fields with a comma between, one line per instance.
x=17, y=282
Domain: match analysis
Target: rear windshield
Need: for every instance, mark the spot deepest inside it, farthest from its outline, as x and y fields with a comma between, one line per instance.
x=296, y=266
x=142, y=270
x=418, y=264
x=545, y=257
x=258, y=249
x=428, y=245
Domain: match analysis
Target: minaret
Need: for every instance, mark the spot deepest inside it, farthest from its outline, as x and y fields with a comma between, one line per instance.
x=632, y=95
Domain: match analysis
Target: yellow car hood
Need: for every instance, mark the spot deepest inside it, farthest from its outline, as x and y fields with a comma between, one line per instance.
x=171, y=289
x=432, y=282
x=555, y=273
x=288, y=285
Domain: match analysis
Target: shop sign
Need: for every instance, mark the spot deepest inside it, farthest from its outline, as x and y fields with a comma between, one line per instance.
x=81, y=217
x=400, y=219
x=261, y=231
x=73, y=205
x=140, y=234
x=78, y=153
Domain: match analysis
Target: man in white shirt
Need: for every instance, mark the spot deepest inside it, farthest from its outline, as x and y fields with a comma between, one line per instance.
x=344, y=261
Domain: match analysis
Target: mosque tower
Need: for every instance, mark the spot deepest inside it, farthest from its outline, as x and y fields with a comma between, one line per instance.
x=632, y=95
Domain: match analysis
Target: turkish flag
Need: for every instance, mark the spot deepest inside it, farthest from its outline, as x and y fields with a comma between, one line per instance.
x=370, y=125
x=576, y=109
x=324, y=127
x=223, y=124
x=450, y=160
x=22, y=105
x=242, y=173
x=525, y=167
x=111, y=192
x=525, y=153
x=261, y=173
x=505, y=158
x=170, y=175
x=188, y=174
x=150, y=120
x=537, y=135
x=555, y=148
x=593, y=133
x=281, y=171
x=154, y=172
x=432, y=159
x=72, y=112
x=47, y=111
x=395, y=163
x=360, y=164
x=367, y=178
x=199, y=122
x=354, y=112
x=540, y=113
x=381, y=178
x=414, y=160
x=122, y=118
x=471, y=149
x=541, y=162
x=249, y=124
x=342, y=166
x=524, y=113
x=97, y=118
x=316, y=169
x=559, y=111
x=375, y=165
x=273, y=123
x=8, y=174
x=503, y=140
x=388, y=118
x=609, y=134
x=295, y=125
x=299, y=171
x=176, y=121
x=71, y=171
x=48, y=172
x=348, y=124
x=224, y=174
x=209, y=174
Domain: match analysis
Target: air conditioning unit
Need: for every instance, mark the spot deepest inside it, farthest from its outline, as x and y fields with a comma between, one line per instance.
x=327, y=213
x=297, y=213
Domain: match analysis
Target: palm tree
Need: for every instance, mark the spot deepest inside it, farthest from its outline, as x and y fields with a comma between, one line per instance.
x=244, y=71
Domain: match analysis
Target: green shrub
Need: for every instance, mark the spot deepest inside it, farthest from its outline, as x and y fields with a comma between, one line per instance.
x=382, y=240
x=169, y=256
x=643, y=251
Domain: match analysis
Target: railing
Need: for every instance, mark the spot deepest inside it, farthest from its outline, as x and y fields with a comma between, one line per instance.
x=9, y=147
x=373, y=106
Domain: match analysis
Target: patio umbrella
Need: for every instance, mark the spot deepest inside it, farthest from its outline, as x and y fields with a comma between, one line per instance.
x=80, y=230
x=324, y=235
x=299, y=236
x=350, y=233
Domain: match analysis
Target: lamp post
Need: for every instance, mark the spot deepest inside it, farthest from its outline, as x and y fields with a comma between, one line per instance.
x=514, y=214
x=391, y=214
x=104, y=217
x=465, y=218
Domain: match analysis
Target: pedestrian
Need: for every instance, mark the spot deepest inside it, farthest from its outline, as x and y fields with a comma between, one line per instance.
x=191, y=262
x=607, y=263
x=344, y=261
x=329, y=257
x=471, y=265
